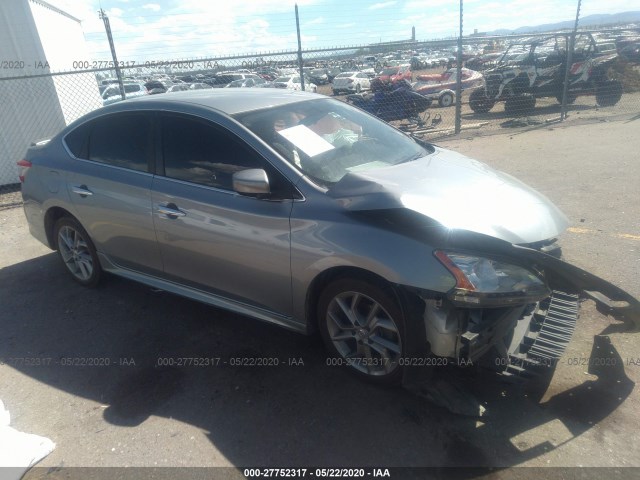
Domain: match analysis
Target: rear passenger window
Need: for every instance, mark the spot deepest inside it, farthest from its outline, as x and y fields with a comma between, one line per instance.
x=121, y=140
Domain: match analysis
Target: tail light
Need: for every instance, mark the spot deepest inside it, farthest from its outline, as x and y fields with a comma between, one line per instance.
x=23, y=167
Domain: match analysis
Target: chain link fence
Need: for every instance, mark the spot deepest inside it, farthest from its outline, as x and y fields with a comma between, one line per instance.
x=505, y=82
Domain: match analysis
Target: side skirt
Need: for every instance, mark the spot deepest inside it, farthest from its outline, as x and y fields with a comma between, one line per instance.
x=202, y=296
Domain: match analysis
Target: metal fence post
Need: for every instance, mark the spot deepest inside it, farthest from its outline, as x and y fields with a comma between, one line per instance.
x=458, y=124
x=300, y=63
x=570, y=47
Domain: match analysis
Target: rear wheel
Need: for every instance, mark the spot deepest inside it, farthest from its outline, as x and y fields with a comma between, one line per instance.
x=446, y=99
x=77, y=252
x=609, y=93
x=479, y=102
x=518, y=105
x=363, y=328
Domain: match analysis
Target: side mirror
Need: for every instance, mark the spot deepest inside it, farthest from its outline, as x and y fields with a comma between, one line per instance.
x=253, y=181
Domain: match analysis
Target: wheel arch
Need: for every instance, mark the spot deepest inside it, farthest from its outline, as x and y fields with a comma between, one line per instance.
x=50, y=218
x=326, y=277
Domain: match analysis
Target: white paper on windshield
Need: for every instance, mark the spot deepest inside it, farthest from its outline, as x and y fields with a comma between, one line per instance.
x=306, y=140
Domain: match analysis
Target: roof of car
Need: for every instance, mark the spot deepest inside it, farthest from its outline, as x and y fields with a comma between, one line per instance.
x=230, y=101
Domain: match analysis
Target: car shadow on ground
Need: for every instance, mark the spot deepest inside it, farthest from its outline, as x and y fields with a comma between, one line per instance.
x=301, y=412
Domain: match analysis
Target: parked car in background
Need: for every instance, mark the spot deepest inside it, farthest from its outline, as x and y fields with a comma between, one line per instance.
x=350, y=82
x=331, y=221
x=179, y=87
x=442, y=86
x=131, y=90
x=199, y=86
x=246, y=82
x=318, y=76
x=218, y=81
x=292, y=82
x=394, y=74
x=159, y=86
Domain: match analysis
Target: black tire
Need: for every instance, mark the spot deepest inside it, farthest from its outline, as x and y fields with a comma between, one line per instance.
x=571, y=98
x=77, y=252
x=446, y=99
x=479, y=102
x=609, y=93
x=519, y=105
x=370, y=346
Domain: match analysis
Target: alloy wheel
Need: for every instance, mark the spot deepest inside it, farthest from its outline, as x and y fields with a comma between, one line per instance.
x=75, y=253
x=364, y=333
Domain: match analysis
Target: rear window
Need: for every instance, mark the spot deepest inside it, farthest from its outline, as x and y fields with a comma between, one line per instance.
x=132, y=88
x=77, y=141
x=343, y=75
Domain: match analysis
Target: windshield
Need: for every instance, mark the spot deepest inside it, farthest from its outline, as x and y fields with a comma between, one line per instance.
x=326, y=139
x=390, y=71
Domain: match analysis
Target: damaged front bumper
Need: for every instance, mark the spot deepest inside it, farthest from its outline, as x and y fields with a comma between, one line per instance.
x=526, y=338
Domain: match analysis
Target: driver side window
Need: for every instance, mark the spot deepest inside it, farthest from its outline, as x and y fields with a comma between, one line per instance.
x=196, y=151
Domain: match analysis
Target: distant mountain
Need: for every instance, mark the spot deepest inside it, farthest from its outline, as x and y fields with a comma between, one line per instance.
x=589, y=20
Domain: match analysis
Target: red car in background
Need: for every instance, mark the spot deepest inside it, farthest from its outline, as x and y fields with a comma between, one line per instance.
x=394, y=74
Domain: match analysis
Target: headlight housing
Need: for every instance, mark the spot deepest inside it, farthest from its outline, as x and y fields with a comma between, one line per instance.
x=486, y=282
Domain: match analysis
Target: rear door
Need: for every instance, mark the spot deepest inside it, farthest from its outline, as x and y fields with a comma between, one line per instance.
x=110, y=187
x=217, y=240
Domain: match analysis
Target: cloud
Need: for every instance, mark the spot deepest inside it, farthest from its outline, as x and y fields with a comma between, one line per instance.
x=154, y=7
x=316, y=21
x=378, y=6
x=115, y=12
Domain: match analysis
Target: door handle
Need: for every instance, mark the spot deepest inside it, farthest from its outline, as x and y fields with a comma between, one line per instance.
x=82, y=190
x=171, y=210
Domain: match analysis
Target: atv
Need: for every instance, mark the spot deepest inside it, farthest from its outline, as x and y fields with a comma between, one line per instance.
x=536, y=68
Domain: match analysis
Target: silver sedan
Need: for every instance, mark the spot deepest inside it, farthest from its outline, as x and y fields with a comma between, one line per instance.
x=303, y=211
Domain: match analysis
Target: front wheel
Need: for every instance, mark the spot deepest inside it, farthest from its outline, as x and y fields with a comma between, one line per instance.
x=446, y=99
x=362, y=327
x=77, y=252
x=479, y=102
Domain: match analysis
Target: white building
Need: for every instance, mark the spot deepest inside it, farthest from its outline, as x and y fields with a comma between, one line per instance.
x=36, y=39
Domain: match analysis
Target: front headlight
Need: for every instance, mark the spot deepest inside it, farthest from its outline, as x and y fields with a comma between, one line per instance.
x=487, y=282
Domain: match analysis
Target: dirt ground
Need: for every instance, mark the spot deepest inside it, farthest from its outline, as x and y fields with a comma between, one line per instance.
x=135, y=413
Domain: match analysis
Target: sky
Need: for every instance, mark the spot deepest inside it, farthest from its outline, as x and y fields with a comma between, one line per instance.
x=148, y=30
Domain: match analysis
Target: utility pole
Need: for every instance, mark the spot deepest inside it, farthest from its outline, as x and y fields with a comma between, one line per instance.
x=107, y=27
x=300, y=63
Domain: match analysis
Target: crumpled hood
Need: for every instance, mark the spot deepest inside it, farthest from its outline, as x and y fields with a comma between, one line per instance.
x=459, y=193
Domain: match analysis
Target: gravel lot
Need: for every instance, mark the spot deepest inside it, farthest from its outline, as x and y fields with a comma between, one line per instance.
x=134, y=413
